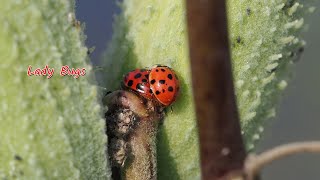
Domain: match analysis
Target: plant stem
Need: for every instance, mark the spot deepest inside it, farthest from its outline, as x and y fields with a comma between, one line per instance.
x=143, y=163
x=254, y=163
x=221, y=145
x=132, y=127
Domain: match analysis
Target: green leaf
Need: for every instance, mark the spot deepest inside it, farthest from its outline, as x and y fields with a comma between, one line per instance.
x=264, y=39
x=49, y=128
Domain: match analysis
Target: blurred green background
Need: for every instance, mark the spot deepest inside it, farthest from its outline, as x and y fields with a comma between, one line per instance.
x=298, y=117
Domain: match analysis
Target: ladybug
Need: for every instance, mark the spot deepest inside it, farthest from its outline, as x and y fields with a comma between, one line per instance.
x=138, y=80
x=164, y=84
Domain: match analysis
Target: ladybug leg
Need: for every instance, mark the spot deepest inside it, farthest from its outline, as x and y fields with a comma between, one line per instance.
x=105, y=99
x=165, y=110
x=108, y=92
x=161, y=115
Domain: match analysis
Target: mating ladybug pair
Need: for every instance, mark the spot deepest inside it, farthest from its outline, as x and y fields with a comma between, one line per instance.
x=158, y=83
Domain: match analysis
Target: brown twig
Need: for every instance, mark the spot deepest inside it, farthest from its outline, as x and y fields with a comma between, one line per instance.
x=221, y=145
x=132, y=127
x=143, y=163
x=254, y=163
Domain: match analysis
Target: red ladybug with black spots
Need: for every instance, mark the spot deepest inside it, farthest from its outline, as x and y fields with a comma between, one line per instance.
x=164, y=84
x=160, y=83
x=138, y=80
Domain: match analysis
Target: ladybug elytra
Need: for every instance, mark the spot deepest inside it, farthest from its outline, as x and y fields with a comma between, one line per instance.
x=164, y=84
x=160, y=83
x=138, y=80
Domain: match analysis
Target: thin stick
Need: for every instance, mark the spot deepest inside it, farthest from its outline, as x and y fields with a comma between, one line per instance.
x=221, y=146
x=254, y=163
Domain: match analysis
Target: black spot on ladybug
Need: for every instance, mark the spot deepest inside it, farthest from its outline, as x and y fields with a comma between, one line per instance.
x=150, y=91
x=157, y=92
x=147, y=76
x=162, y=81
x=163, y=70
x=152, y=81
x=137, y=75
x=170, y=76
x=163, y=90
x=130, y=83
x=157, y=70
x=144, y=80
x=170, y=88
x=17, y=157
x=139, y=86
